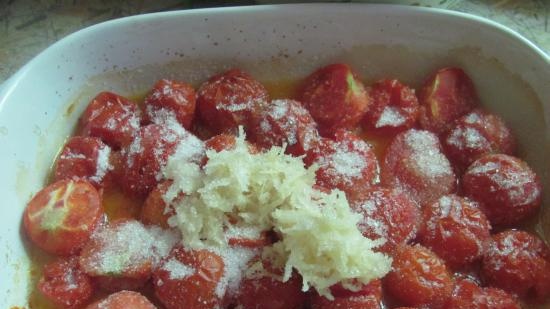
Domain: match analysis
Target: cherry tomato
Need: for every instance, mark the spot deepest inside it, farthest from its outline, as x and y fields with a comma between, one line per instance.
x=476, y=134
x=394, y=108
x=455, y=229
x=155, y=210
x=112, y=118
x=86, y=158
x=508, y=190
x=284, y=122
x=268, y=292
x=519, y=263
x=369, y=297
x=418, y=278
x=335, y=98
x=123, y=254
x=188, y=279
x=447, y=94
x=415, y=164
x=221, y=142
x=388, y=214
x=230, y=99
x=143, y=159
x=65, y=284
x=123, y=300
x=468, y=295
x=61, y=217
x=346, y=163
x=170, y=96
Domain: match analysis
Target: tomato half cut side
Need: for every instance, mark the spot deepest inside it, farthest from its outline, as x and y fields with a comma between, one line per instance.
x=61, y=217
x=123, y=300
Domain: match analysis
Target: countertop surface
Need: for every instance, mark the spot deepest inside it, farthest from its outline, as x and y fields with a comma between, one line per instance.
x=29, y=26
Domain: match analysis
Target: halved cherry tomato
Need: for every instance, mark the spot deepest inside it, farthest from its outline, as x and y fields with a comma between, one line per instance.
x=394, y=107
x=335, y=98
x=228, y=100
x=455, y=229
x=170, y=96
x=155, y=210
x=518, y=262
x=284, y=122
x=415, y=164
x=85, y=158
x=368, y=297
x=507, y=188
x=476, y=134
x=347, y=163
x=418, y=278
x=268, y=292
x=188, y=279
x=468, y=295
x=61, y=217
x=448, y=94
x=112, y=118
x=388, y=214
x=65, y=284
x=123, y=300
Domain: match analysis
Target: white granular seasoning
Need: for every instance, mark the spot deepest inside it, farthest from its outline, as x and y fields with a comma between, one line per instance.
x=102, y=164
x=426, y=154
x=390, y=117
x=177, y=270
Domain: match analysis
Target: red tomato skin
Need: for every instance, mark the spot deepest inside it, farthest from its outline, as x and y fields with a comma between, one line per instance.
x=418, y=278
x=476, y=134
x=394, y=108
x=229, y=100
x=468, y=295
x=67, y=236
x=171, y=96
x=446, y=95
x=369, y=297
x=123, y=300
x=143, y=159
x=508, y=190
x=65, y=284
x=196, y=291
x=518, y=263
x=456, y=230
x=335, y=98
x=154, y=210
x=270, y=293
x=415, y=164
x=79, y=159
x=389, y=211
x=284, y=122
x=112, y=118
x=346, y=163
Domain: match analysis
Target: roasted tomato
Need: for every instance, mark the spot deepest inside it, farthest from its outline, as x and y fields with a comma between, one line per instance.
x=508, y=190
x=123, y=300
x=112, y=118
x=188, y=279
x=335, y=97
x=455, y=229
x=448, y=94
x=61, y=217
x=171, y=98
x=519, y=263
x=415, y=164
x=468, y=295
x=476, y=134
x=65, y=284
x=418, y=278
x=346, y=162
x=86, y=158
x=394, y=108
x=229, y=100
x=388, y=214
x=368, y=297
x=284, y=122
x=268, y=292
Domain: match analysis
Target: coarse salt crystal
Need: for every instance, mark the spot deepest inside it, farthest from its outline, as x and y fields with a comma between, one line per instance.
x=390, y=117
